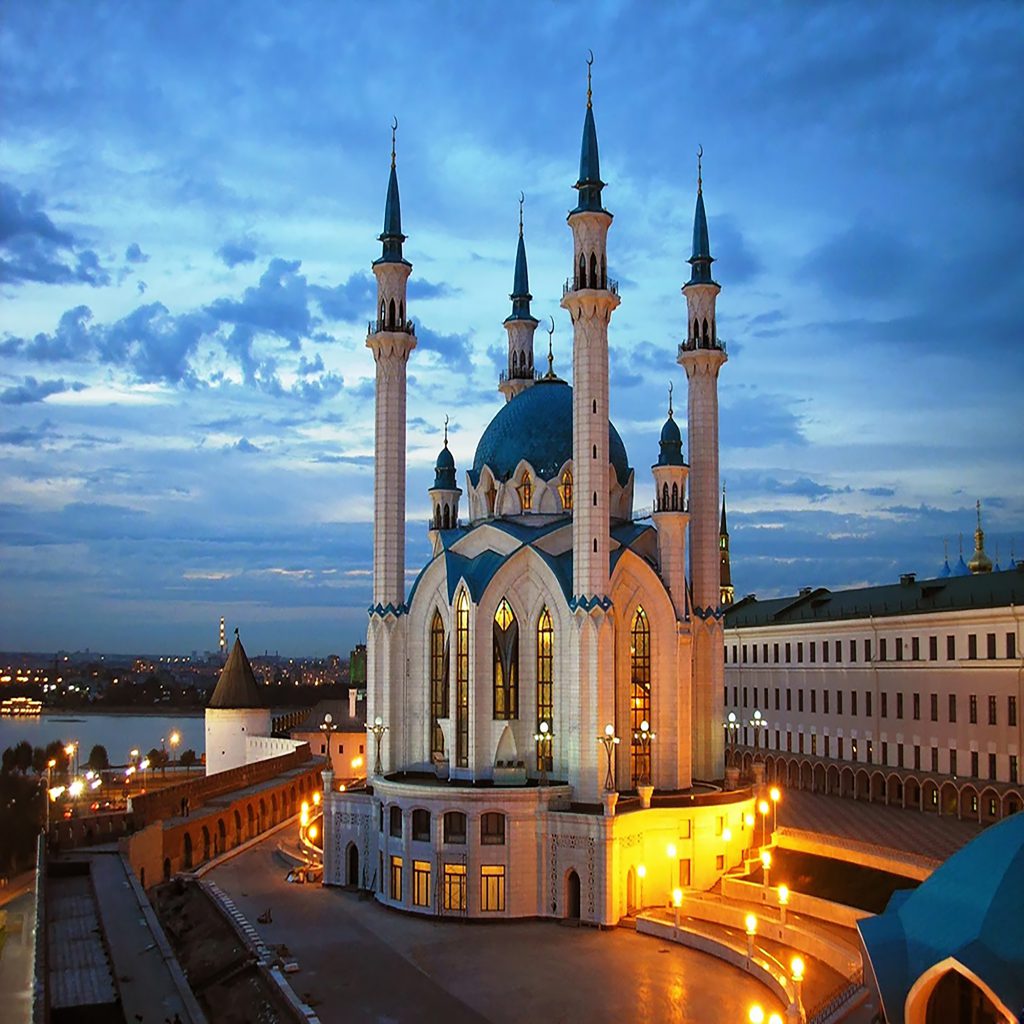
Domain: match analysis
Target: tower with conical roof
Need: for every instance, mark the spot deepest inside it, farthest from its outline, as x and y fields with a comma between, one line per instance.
x=520, y=324
x=235, y=712
x=980, y=562
x=727, y=594
x=590, y=298
x=702, y=355
x=391, y=337
x=445, y=494
x=670, y=512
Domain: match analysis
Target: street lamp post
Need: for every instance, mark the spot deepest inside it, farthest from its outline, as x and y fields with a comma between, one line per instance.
x=783, y=903
x=732, y=726
x=775, y=795
x=175, y=740
x=609, y=740
x=329, y=728
x=797, y=973
x=766, y=863
x=677, y=902
x=751, y=922
x=758, y=723
x=542, y=737
x=378, y=730
x=643, y=737
x=762, y=807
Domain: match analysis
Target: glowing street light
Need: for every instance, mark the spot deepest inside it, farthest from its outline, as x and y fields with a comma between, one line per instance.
x=783, y=902
x=756, y=1015
x=677, y=902
x=609, y=741
x=175, y=739
x=316, y=799
x=76, y=787
x=751, y=922
x=643, y=738
x=542, y=737
x=775, y=795
x=762, y=807
x=641, y=873
x=766, y=863
x=726, y=835
x=378, y=730
x=796, y=968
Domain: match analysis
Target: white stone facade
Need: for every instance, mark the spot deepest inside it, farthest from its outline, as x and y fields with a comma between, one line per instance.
x=228, y=733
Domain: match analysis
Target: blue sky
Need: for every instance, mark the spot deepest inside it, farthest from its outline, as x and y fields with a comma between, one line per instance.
x=190, y=195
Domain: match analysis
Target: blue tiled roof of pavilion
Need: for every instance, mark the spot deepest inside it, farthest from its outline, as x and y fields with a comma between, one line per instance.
x=967, y=910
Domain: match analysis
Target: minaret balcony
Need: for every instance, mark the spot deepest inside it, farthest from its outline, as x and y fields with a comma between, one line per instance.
x=506, y=375
x=382, y=326
x=572, y=285
x=698, y=344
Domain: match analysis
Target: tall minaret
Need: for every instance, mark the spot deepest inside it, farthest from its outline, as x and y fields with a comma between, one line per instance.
x=391, y=338
x=727, y=594
x=702, y=356
x=590, y=299
x=520, y=324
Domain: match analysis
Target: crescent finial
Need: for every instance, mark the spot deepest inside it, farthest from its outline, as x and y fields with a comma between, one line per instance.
x=590, y=64
x=700, y=156
x=670, y=399
x=394, y=129
x=446, y=430
x=551, y=357
x=522, y=199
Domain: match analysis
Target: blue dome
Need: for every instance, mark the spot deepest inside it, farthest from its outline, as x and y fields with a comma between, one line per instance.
x=444, y=469
x=537, y=426
x=671, y=445
x=670, y=432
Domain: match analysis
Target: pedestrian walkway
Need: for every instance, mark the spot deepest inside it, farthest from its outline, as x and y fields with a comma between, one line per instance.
x=912, y=831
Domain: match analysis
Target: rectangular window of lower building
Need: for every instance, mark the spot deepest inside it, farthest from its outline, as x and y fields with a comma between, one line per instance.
x=917, y=757
x=899, y=648
x=935, y=759
x=396, y=878
x=952, y=762
x=853, y=650
x=789, y=699
x=972, y=709
x=776, y=698
x=885, y=752
x=800, y=652
x=789, y=742
x=883, y=649
x=950, y=648
x=801, y=743
x=824, y=650
x=990, y=643
x=867, y=650
x=839, y=702
x=869, y=750
x=813, y=652
x=883, y=699
x=952, y=707
x=972, y=646
x=917, y=707
x=744, y=696
x=814, y=701
x=867, y=703
x=974, y=764
x=720, y=863
x=814, y=743
x=933, y=648
x=899, y=755
x=492, y=887
x=991, y=710
x=800, y=699
x=899, y=705
x=828, y=753
x=789, y=652
x=992, y=766
x=839, y=747
x=775, y=653
x=853, y=702
x=744, y=658
x=1011, y=645
x=934, y=702
x=915, y=648
x=824, y=698
x=1013, y=768
x=421, y=883
x=1011, y=710
x=853, y=750
x=454, y=894
x=839, y=650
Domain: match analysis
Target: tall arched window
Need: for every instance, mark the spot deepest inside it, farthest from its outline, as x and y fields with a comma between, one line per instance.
x=462, y=680
x=506, y=662
x=526, y=492
x=581, y=281
x=593, y=271
x=545, y=686
x=664, y=496
x=640, y=694
x=438, y=682
x=675, y=496
x=565, y=490
x=391, y=313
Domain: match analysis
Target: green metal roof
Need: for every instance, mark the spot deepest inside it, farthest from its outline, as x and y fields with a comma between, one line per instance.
x=953, y=593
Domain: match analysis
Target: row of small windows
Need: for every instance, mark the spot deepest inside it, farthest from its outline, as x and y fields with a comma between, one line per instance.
x=751, y=654
x=565, y=491
x=453, y=830
x=388, y=311
x=884, y=708
x=953, y=766
x=453, y=887
x=598, y=275
x=505, y=689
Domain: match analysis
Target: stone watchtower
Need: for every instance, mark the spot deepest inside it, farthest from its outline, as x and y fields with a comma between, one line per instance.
x=391, y=337
x=702, y=356
x=236, y=711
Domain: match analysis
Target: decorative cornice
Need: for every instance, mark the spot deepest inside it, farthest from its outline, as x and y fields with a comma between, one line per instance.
x=382, y=611
x=581, y=602
x=709, y=613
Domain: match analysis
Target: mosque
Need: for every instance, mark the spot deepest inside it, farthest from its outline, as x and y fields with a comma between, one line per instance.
x=545, y=703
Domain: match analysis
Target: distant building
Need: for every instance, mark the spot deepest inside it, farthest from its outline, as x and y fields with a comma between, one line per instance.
x=908, y=693
x=357, y=667
x=348, y=734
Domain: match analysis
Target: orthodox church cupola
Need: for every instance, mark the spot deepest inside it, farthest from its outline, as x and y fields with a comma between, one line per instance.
x=520, y=325
x=980, y=562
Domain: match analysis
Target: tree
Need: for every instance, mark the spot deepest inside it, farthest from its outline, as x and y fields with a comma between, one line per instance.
x=23, y=756
x=188, y=758
x=98, y=759
x=9, y=760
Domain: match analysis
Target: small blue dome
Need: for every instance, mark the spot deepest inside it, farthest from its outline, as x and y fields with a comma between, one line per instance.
x=537, y=426
x=671, y=445
x=444, y=469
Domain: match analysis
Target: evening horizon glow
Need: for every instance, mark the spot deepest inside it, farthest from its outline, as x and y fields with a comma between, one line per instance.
x=190, y=198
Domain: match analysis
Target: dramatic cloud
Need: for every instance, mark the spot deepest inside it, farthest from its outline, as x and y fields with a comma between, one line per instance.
x=134, y=254
x=237, y=252
x=32, y=390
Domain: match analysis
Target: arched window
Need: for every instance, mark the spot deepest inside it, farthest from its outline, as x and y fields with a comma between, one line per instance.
x=526, y=492
x=506, y=662
x=437, y=517
x=664, y=496
x=565, y=490
x=381, y=325
x=675, y=496
x=594, y=407
x=604, y=272
x=401, y=312
x=545, y=686
x=593, y=270
x=391, y=313
x=705, y=332
x=640, y=694
x=696, y=331
x=581, y=280
x=515, y=363
x=438, y=683
x=462, y=680
x=595, y=451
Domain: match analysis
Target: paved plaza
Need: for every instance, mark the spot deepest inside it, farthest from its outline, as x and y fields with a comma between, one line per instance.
x=923, y=833
x=361, y=963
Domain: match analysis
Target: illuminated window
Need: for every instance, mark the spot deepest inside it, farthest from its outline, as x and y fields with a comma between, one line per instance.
x=545, y=686
x=421, y=883
x=454, y=895
x=438, y=683
x=462, y=680
x=396, y=878
x=640, y=694
x=506, y=662
x=526, y=492
x=565, y=490
x=492, y=887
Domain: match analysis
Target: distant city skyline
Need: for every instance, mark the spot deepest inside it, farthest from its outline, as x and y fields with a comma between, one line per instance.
x=189, y=204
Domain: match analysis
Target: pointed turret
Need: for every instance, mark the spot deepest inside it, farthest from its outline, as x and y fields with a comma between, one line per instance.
x=700, y=259
x=945, y=572
x=520, y=324
x=724, y=568
x=589, y=184
x=445, y=494
x=392, y=237
x=671, y=443
x=960, y=569
x=237, y=686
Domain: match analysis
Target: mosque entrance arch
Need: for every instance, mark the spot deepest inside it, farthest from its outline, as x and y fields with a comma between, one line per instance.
x=631, y=892
x=352, y=865
x=949, y=992
x=572, y=896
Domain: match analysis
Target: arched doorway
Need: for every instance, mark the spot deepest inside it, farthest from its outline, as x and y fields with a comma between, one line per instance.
x=238, y=828
x=206, y=843
x=167, y=869
x=188, y=851
x=832, y=780
x=952, y=994
x=352, y=865
x=818, y=778
x=631, y=891
x=220, y=842
x=572, y=896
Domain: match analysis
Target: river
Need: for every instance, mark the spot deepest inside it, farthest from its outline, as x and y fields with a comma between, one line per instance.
x=119, y=733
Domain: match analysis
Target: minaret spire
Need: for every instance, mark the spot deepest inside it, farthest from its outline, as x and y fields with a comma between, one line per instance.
x=725, y=570
x=589, y=184
x=520, y=324
x=392, y=237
